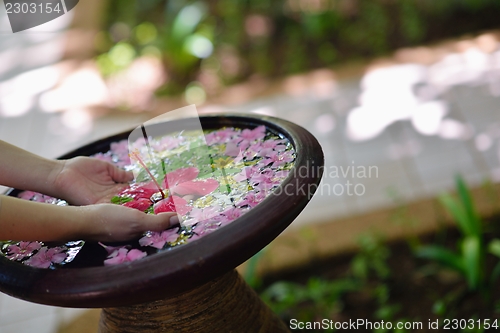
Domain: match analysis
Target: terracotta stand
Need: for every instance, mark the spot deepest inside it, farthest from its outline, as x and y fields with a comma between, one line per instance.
x=225, y=304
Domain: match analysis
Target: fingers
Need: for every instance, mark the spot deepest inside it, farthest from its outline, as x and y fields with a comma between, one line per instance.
x=161, y=221
x=119, y=175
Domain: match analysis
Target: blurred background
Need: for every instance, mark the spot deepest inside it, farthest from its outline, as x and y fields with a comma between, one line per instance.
x=408, y=87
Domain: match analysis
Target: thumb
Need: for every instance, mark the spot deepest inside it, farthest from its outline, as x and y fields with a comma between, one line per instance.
x=162, y=221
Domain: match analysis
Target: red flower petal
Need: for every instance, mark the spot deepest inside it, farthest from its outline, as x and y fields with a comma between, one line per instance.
x=172, y=204
x=141, y=204
x=164, y=206
x=137, y=191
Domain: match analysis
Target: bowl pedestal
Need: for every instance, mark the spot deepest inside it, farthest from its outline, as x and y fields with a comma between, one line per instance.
x=225, y=304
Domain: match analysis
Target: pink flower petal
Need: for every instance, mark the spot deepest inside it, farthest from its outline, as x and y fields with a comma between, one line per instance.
x=135, y=254
x=232, y=150
x=180, y=176
x=110, y=249
x=197, y=187
x=172, y=204
x=245, y=174
x=26, y=195
x=45, y=257
x=199, y=214
x=158, y=240
x=122, y=255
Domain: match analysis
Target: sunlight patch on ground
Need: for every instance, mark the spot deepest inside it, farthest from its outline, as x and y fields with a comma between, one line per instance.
x=82, y=88
x=413, y=91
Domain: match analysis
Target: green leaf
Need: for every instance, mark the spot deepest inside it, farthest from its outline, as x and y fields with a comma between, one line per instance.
x=494, y=247
x=458, y=213
x=187, y=20
x=150, y=210
x=120, y=200
x=472, y=259
x=473, y=220
x=282, y=296
x=359, y=267
x=495, y=274
x=443, y=256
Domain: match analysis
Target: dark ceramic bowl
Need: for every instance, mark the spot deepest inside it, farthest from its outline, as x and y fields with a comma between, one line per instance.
x=168, y=273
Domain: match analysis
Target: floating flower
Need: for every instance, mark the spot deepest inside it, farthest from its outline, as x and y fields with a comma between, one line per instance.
x=22, y=250
x=140, y=191
x=232, y=214
x=252, y=199
x=247, y=136
x=141, y=204
x=264, y=181
x=246, y=173
x=159, y=239
x=181, y=181
x=119, y=148
x=110, y=249
x=198, y=214
x=278, y=159
x=278, y=145
x=172, y=204
x=47, y=256
x=208, y=226
x=221, y=136
x=34, y=196
x=122, y=255
x=120, y=152
x=232, y=150
x=167, y=143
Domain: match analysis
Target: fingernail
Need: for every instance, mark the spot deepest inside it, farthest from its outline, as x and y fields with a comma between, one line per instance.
x=174, y=220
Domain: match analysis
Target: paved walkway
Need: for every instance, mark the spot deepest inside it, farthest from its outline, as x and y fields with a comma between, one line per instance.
x=413, y=132
x=400, y=132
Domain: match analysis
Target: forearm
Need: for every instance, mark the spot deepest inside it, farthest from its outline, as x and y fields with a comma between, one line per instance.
x=30, y=221
x=26, y=171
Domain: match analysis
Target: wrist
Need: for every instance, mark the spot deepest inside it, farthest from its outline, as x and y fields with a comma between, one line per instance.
x=84, y=222
x=53, y=182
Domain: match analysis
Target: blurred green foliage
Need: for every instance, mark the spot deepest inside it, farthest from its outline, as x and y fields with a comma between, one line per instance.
x=230, y=40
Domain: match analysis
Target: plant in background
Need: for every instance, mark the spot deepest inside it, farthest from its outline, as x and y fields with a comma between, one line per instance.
x=469, y=258
x=185, y=39
x=317, y=299
x=371, y=259
x=177, y=33
x=204, y=45
x=372, y=272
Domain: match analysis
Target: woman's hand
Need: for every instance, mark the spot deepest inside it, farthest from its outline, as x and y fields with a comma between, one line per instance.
x=84, y=180
x=30, y=221
x=109, y=222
